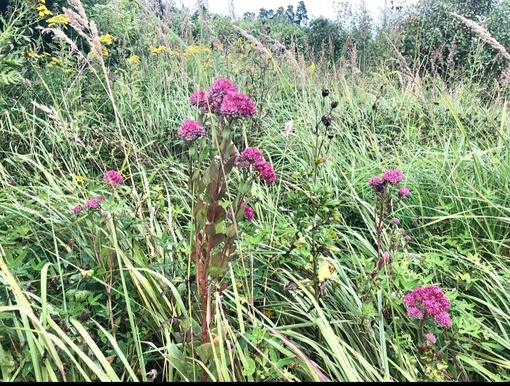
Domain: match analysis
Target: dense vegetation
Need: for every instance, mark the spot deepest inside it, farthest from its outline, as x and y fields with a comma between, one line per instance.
x=187, y=197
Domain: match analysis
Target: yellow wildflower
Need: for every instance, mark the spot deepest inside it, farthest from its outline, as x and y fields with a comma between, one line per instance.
x=175, y=53
x=311, y=68
x=268, y=312
x=79, y=179
x=104, y=50
x=318, y=160
x=59, y=20
x=158, y=50
x=43, y=11
x=135, y=59
x=106, y=39
x=239, y=284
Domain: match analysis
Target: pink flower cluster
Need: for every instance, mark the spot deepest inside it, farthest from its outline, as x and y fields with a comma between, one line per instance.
x=423, y=301
x=190, y=129
x=249, y=214
x=93, y=203
x=113, y=177
x=392, y=177
x=251, y=156
x=223, y=98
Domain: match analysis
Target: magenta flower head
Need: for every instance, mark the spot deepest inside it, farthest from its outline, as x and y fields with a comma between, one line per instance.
x=377, y=183
x=423, y=301
x=219, y=88
x=199, y=100
x=249, y=214
x=403, y=192
x=236, y=104
x=393, y=176
x=249, y=156
x=190, y=129
x=94, y=203
x=265, y=170
x=113, y=177
x=76, y=209
x=431, y=337
x=222, y=86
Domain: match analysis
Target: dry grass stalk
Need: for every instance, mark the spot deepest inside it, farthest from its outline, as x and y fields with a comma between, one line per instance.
x=260, y=47
x=483, y=33
x=60, y=35
x=51, y=112
x=504, y=78
x=88, y=30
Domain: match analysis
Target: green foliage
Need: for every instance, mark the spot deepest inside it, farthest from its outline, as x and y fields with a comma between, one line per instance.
x=434, y=42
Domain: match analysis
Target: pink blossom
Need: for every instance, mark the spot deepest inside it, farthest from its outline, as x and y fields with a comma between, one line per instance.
x=415, y=313
x=249, y=214
x=113, y=177
x=393, y=176
x=431, y=301
x=266, y=171
x=94, y=203
x=377, y=183
x=76, y=209
x=190, y=129
x=443, y=319
x=222, y=86
x=219, y=88
x=403, y=192
x=199, y=100
x=249, y=156
x=236, y=104
x=431, y=337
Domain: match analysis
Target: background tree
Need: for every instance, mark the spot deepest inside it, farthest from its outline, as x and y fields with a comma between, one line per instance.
x=301, y=14
x=289, y=14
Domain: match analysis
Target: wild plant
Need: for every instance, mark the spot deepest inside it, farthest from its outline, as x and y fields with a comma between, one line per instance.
x=384, y=204
x=314, y=208
x=424, y=304
x=219, y=201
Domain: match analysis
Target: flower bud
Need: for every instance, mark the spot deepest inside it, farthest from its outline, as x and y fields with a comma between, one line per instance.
x=325, y=92
x=334, y=104
x=326, y=120
x=331, y=134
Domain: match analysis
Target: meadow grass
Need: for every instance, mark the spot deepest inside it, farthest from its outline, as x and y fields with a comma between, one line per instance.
x=110, y=294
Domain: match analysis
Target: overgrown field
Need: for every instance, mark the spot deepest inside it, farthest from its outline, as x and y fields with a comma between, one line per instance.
x=184, y=199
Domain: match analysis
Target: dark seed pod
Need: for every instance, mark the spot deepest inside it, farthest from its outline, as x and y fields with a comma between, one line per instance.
x=326, y=120
x=334, y=104
x=331, y=134
x=325, y=92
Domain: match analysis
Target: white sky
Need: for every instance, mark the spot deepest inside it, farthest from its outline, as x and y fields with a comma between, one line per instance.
x=314, y=8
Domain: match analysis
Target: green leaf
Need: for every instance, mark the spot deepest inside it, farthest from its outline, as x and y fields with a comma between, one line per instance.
x=249, y=368
x=217, y=271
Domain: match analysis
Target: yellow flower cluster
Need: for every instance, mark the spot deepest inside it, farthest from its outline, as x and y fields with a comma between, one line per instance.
x=58, y=20
x=195, y=50
x=158, y=50
x=41, y=8
x=106, y=39
x=135, y=59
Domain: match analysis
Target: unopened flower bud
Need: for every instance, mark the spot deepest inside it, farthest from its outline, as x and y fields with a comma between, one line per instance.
x=326, y=120
x=325, y=92
x=334, y=104
x=331, y=134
